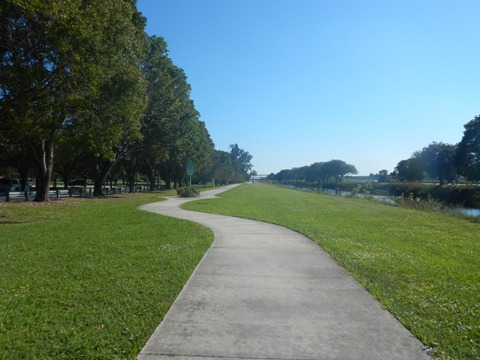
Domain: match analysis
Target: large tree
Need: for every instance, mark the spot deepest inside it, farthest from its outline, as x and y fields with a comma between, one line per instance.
x=198, y=148
x=284, y=175
x=111, y=122
x=159, y=74
x=383, y=176
x=299, y=173
x=243, y=159
x=171, y=128
x=337, y=169
x=225, y=169
x=66, y=64
x=410, y=170
x=40, y=75
x=468, y=151
x=185, y=136
x=318, y=172
x=315, y=172
x=437, y=160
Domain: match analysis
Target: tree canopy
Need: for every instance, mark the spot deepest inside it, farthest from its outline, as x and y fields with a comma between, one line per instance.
x=319, y=172
x=445, y=162
x=242, y=159
x=83, y=89
x=468, y=151
x=70, y=64
x=230, y=167
x=40, y=77
x=435, y=161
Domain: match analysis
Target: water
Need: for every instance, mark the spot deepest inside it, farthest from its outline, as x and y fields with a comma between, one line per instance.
x=468, y=212
x=388, y=199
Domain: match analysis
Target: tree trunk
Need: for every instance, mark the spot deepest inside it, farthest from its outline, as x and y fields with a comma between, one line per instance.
x=43, y=164
x=151, y=181
x=151, y=176
x=23, y=179
x=66, y=180
x=165, y=175
x=168, y=183
x=131, y=185
x=102, y=168
x=97, y=184
x=131, y=172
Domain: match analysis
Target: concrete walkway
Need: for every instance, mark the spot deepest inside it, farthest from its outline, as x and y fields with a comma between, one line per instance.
x=265, y=292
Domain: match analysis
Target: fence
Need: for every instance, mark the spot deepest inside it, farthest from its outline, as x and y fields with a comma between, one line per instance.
x=63, y=193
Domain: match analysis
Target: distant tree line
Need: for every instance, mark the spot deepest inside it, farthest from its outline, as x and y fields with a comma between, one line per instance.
x=442, y=163
x=84, y=92
x=233, y=166
x=437, y=162
x=319, y=172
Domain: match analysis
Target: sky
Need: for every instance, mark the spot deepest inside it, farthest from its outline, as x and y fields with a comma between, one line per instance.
x=295, y=82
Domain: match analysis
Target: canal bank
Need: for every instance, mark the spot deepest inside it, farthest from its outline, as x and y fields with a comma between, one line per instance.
x=409, y=198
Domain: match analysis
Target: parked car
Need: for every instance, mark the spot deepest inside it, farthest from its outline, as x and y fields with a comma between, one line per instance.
x=10, y=185
x=78, y=182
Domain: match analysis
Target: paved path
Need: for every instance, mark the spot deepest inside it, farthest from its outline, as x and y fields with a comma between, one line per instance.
x=265, y=292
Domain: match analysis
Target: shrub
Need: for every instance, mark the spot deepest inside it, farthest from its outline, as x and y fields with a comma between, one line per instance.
x=188, y=191
x=421, y=204
x=362, y=189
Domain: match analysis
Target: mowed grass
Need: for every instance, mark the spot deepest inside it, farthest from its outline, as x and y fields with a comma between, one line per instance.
x=424, y=267
x=90, y=279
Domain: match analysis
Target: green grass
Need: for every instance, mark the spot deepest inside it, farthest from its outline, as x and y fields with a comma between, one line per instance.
x=423, y=266
x=90, y=279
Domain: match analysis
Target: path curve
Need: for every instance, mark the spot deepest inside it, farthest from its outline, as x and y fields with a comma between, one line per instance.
x=265, y=292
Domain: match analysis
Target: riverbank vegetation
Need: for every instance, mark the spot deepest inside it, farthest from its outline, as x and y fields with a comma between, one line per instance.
x=447, y=173
x=422, y=266
x=90, y=278
x=462, y=195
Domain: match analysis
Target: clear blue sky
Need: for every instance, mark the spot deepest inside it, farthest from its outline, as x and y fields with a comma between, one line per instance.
x=294, y=82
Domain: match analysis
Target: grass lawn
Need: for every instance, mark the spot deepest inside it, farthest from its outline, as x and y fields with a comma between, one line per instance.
x=90, y=279
x=423, y=266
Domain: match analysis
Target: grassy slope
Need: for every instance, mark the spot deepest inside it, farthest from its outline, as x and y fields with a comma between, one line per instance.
x=90, y=279
x=424, y=267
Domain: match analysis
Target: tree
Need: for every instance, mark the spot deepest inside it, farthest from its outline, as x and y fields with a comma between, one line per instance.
x=315, y=172
x=70, y=64
x=383, y=176
x=243, y=158
x=40, y=73
x=299, y=173
x=132, y=164
x=225, y=168
x=198, y=148
x=70, y=156
x=338, y=169
x=437, y=160
x=284, y=175
x=172, y=131
x=159, y=72
x=115, y=110
x=16, y=156
x=410, y=170
x=192, y=143
x=467, y=157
